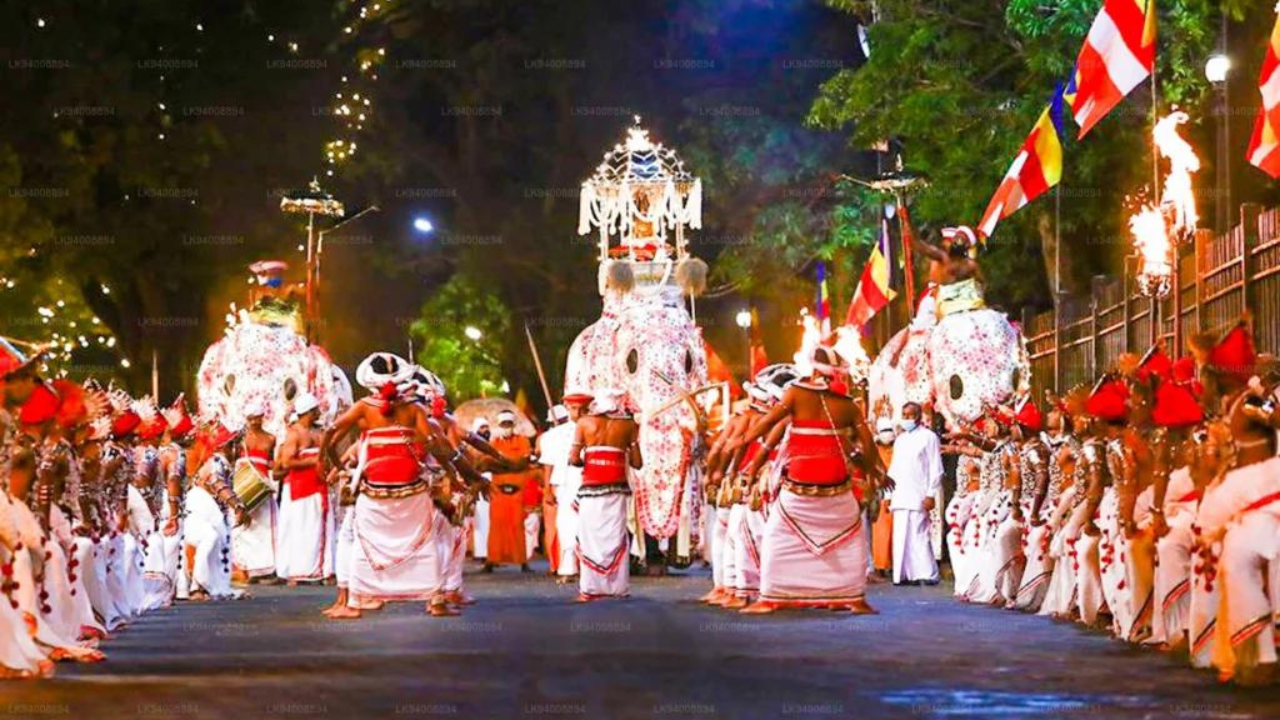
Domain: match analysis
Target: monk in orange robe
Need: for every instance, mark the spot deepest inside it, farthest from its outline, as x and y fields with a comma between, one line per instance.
x=882, y=530
x=506, y=499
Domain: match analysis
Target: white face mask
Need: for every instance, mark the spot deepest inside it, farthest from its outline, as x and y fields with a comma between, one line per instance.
x=505, y=432
x=908, y=425
x=885, y=437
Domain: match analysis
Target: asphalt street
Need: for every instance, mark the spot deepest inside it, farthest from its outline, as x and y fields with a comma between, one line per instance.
x=526, y=651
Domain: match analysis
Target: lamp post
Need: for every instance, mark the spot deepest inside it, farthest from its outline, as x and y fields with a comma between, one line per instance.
x=319, y=255
x=1216, y=70
x=743, y=319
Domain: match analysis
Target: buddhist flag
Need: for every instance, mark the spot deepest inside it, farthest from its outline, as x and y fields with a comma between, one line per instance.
x=1264, y=146
x=1118, y=54
x=1037, y=168
x=875, y=289
x=822, y=305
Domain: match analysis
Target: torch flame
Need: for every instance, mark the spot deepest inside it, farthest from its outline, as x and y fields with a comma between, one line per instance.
x=1151, y=239
x=810, y=339
x=1182, y=164
x=847, y=343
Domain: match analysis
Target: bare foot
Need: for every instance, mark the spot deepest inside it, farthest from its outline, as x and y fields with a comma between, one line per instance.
x=435, y=609
x=345, y=612
x=759, y=607
x=734, y=603
x=861, y=607
x=583, y=598
x=711, y=595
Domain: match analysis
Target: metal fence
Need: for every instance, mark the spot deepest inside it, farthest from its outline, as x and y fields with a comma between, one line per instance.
x=1219, y=276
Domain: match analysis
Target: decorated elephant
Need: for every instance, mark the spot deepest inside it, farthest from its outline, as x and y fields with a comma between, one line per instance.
x=646, y=344
x=962, y=364
x=267, y=364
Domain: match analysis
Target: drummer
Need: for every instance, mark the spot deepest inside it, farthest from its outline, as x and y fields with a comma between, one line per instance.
x=253, y=544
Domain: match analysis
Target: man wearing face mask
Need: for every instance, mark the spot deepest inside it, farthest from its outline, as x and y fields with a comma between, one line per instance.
x=480, y=530
x=882, y=529
x=916, y=470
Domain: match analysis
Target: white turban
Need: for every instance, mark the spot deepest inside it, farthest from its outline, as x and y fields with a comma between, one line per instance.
x=381, y=368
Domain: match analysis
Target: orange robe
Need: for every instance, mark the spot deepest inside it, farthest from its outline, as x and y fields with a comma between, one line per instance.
x=506, y=506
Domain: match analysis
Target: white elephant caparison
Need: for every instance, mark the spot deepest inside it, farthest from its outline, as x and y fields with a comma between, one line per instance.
x=965, y=363
x=646, y=344
x=271, y=365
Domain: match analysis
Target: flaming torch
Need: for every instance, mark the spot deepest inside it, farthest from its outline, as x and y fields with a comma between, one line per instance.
x=846, y=341
x=1159, y=230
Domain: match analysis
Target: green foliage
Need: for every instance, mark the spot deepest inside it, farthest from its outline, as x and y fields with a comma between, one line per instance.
x=469, y=368
x=960, y=84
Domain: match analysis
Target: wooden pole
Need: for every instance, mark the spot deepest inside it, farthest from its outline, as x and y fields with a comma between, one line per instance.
x=537, y=364
x=908, y=260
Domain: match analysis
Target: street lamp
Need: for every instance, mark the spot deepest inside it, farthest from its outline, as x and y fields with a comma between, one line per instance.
x=743, y=319
x=1216, y=70
x=423, y=225
x=473, y=333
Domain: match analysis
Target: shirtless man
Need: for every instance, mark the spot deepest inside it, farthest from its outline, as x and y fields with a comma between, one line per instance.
x=813, y=552
x=253, y=543
x=303, y=498
x=604, y=445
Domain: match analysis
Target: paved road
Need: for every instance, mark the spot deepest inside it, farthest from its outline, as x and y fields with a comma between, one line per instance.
x=526, y=652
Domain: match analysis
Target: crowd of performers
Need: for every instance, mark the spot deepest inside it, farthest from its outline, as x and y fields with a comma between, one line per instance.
x=1148, y=505
x=113, y=507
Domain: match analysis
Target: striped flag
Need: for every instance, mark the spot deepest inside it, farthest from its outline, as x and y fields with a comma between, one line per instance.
x=1037, y=167
x=822, y=306
x=1118, y=54
x=875, y=289
x=1264, y=146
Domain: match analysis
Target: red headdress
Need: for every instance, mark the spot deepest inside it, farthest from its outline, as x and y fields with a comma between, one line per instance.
x=41, y=407
x=1235, y=356
x=151, y=424
x=1177, y=399
x=178, y=420
x=12, y=359
x=72, y=409
x=1155, y=365
x=1028, y=415
x=124, y=420
x=216, y=436
x=1109, y=400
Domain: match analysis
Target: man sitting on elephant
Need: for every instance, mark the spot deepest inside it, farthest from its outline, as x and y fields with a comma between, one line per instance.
x=955, y=269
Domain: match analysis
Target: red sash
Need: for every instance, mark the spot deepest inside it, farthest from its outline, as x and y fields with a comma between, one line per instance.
x=392, y=461
x=259, y=460
x=815, y=455
x=305, y=482
x=604, y=465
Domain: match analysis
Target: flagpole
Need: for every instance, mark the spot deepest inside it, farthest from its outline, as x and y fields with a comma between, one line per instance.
x=1057, y=243
x=908, y=259
x=1155, y=183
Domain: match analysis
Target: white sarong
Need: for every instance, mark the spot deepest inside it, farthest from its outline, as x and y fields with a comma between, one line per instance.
x=206, y=532
x=913, y=558
x=303, y=536
x=253, y=548
x=394, y=557
x=813, y=553
x=603, y=543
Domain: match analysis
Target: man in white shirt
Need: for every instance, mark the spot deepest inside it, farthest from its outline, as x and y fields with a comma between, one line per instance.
x=916, y=470
x=564, y=479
